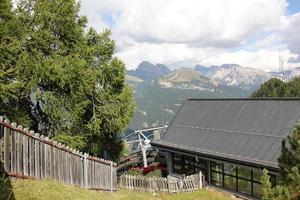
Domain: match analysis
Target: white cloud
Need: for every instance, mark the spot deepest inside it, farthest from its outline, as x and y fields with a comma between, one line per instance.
x=181, y=55
x=292, y=36
x=184, y=33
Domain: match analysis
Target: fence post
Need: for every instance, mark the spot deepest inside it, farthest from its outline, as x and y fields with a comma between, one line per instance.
x=111, y=177
x=85, y=170
x=7, y=148
x=168, y=183
x=200, y=183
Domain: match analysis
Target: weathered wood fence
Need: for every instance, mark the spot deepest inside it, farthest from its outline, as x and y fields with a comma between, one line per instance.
x=26, y=154
x=159, y=184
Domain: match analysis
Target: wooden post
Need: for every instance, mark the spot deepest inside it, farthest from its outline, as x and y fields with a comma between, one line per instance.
x=1, y=141
x=37, y=155
x=42, y=154
x=14, y=149
x=19, y=138
x=31, y=154
x=25, y=153
x=6, y=147
x=85, y=171
x=168, y=183
x=111, y=177
x=200, y=183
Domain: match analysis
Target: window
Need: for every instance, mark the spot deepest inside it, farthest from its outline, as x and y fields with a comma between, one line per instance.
x=189, y=160
x=257, y=189
x=238, y=178
x=217, y=178
x=230, y=182
x=183, y=164
x=244, y=186
x=257, y=173
x=244, y=172
x=218, y=167
x=272, y=179
x=230, y=169
x=189, y=170
x=200, y=164
x=177, y=163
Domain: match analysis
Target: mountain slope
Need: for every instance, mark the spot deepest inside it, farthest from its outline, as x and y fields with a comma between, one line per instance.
x=133, y=81
x=149, y=71
x=235, y=75
x=159, y=91
x=186, y=78
x=159, y=100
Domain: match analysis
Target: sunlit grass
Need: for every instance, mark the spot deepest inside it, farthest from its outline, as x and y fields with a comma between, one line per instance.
x=49, y=190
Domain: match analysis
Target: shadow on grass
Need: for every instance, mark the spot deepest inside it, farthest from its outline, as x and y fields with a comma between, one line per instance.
x=6, y=190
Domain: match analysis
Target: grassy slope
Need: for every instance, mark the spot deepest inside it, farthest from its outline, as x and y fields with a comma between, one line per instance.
x=48, y=190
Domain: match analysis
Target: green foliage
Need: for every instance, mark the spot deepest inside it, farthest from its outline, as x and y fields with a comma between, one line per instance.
x=61, y=80
x=266, y=190
x=136, y=172
x=6, y=191
x=277, y=88
x=75, y=142
x=9, y=50
x=289, y=162
x=271, y=88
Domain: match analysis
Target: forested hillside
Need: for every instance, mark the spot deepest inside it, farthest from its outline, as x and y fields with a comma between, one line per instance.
x=277, y=88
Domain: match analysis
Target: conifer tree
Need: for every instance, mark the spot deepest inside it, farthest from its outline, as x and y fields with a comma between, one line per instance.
x=9, y=50
x=72, y=86
x=266, y=190
x=289, y=162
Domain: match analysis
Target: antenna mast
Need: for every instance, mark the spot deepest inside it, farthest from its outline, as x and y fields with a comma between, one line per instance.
x=280, y=70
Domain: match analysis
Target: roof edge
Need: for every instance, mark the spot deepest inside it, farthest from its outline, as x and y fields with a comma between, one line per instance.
x=248, y=99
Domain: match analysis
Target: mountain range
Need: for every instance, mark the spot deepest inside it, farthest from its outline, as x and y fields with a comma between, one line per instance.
x=159, y=91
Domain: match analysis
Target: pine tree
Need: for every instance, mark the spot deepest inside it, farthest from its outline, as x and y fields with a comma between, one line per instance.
x=9, y=50
x=289, y=162
x=72, y=86
x=266, y=190
x=271, y=88
x=277, y=88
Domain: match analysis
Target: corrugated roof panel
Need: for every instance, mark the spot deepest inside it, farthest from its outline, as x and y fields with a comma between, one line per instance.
x=242, y=129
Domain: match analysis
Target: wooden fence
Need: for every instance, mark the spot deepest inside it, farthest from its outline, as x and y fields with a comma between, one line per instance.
x=26, y=154
x=159, y=184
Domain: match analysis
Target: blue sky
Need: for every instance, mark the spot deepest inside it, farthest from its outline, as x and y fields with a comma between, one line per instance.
x=185, y=33
x=294, y=6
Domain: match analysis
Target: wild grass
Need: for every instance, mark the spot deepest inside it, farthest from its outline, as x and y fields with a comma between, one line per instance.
x=49, y=190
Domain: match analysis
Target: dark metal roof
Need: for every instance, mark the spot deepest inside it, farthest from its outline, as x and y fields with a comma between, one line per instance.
x=245, y=130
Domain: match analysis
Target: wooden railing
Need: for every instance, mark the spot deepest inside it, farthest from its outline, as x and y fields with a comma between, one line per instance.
x=160, y=184
x=25, y=154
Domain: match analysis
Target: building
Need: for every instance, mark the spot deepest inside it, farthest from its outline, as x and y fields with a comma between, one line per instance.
x=230, y=140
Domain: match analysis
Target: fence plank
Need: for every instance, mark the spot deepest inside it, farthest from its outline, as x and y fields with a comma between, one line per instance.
x=37, y=155
x=7, y=147
x=1, y=144
x=159, y=184
x=25, y=154
x=14, y=150
x=29, y=154
x=19, y=138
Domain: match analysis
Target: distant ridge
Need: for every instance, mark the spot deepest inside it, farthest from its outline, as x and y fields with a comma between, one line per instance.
x=149, y=71
x=160, y=91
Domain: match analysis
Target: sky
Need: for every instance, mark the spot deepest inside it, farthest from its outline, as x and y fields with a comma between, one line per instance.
x=183, y=33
